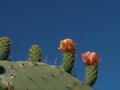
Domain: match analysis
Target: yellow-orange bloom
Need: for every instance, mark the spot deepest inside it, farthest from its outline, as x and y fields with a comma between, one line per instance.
x=90, y=58
x=67, y=45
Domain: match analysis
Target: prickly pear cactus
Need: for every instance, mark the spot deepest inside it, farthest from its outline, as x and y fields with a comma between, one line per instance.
x=35, y=53
x=91, y=74
x=4, y=48
x=35, y=75
x=67, y=46
x=26, y=76
x=90, y=60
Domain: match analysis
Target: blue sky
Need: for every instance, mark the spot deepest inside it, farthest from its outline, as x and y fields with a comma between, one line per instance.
x=93, y=25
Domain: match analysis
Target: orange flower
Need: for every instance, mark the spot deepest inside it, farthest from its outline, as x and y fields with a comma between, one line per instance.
x=90, y=58
x=67, y=45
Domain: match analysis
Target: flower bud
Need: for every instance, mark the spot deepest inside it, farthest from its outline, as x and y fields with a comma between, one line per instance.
x=90, y=58
x=67, y=45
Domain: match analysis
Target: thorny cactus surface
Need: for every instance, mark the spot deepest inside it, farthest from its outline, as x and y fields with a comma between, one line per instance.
x=90, y=60
x=67, y=46
x=4, y=48
x=27, y=75
x=35, y=53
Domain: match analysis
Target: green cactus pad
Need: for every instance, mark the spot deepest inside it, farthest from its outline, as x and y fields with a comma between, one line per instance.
x=68, y=61
x=23, y=75
x=35, y=53
x=91, y=74
x=4, y=48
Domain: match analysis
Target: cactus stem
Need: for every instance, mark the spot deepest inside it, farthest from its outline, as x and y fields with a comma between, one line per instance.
x=4, y=48
x=35, y=53
x=91, y=74
x=68, y=61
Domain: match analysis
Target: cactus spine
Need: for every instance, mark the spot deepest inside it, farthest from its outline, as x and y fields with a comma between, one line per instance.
x=4, y=48
x=35, y=53
x=67, y=46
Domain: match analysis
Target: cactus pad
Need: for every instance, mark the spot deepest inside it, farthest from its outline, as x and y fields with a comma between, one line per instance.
x=91, y=74
x=4, y=48
x=35, y=53
x=23, y=75
x=68, y=61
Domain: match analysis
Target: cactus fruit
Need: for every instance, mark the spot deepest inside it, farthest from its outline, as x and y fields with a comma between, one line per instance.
x=4, y=48
x=35, y=53
x=90, y=60
x=36, y=75
x=67, y=46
